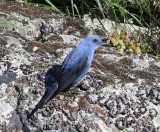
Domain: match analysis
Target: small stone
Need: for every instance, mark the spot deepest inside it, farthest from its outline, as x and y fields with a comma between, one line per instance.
x=153, y=112
x=129, y=120
x=113, y=112
x=35, y=48
x=158, y=96
x=142, y=109
x=154, y=101
x=120, y=123
x=158, y=129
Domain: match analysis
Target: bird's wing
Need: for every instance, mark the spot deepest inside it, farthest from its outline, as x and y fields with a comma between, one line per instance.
x=66, y=60
x=72, y=68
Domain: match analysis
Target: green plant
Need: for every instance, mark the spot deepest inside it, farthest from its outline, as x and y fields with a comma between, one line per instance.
x=52, y=5
x=74, y=8
x=124, y=42
x=141, y=12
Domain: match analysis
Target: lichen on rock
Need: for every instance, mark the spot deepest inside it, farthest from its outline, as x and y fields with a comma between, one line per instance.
x=120, y=92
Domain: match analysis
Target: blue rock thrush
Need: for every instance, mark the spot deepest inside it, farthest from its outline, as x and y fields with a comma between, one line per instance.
x=72, y=70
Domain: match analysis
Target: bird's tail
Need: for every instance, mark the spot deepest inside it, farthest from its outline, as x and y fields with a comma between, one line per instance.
x=48, y=95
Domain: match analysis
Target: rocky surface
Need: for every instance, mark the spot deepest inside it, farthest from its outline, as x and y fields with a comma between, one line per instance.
x=120, y=92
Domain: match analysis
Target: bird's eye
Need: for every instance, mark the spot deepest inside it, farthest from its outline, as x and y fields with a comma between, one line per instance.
x=94, y=40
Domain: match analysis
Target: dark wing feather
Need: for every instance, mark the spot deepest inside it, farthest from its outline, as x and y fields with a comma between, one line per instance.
x=51, y=75
x=71, y=71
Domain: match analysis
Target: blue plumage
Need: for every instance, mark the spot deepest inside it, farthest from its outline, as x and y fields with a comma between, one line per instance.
x=73, y=69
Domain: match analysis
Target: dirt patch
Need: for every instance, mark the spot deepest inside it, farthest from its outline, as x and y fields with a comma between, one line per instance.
x=44, y=48
x=25, y=9
x=154, y=68
x=76, y=25
x=113, y=68
x=3, y=49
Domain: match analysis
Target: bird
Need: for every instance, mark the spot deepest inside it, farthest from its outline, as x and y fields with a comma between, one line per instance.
x=73, y=69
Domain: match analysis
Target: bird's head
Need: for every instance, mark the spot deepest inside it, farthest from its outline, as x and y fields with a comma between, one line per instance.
x=95, y=42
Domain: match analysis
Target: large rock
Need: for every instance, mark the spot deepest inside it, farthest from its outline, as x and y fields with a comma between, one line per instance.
x=121, y=91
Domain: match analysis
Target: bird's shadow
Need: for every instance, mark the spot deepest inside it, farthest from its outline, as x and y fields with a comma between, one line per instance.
x=51, y=76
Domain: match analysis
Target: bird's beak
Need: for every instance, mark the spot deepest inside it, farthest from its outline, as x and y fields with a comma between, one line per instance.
x=105, y=43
